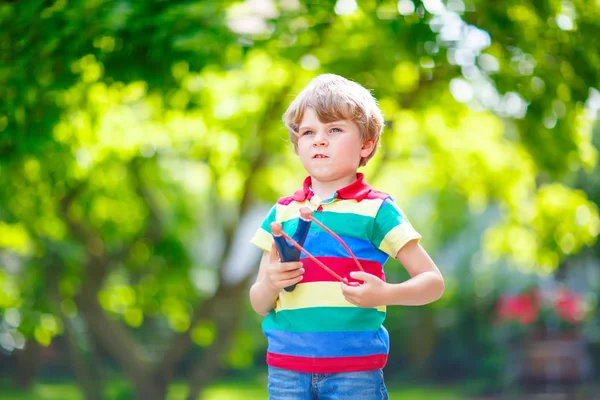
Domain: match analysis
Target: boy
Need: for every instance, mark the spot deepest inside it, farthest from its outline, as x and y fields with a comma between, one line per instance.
x=325, y=338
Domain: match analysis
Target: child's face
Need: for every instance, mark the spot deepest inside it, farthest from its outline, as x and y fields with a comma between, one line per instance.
x=330, y=151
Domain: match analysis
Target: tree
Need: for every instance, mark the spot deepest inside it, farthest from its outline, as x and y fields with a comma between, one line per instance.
x=139, y=141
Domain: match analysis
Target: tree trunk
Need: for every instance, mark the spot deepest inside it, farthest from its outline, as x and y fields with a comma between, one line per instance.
x=202, y=376
x=86, y=373
x=209, y=367
x=150, y=391
x=129, y=355
x=423, y=344
x=27, y=362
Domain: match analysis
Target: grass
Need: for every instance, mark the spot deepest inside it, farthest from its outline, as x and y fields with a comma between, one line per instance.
x=226, y=390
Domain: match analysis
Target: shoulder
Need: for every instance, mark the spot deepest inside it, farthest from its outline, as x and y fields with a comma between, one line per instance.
x=377, y=195
x=387, y=205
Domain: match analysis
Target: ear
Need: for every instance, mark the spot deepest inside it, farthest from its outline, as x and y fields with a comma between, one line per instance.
x=367, y=148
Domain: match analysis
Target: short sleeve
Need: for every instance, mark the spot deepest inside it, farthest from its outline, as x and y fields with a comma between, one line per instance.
x=263, y=238
x=392, y=230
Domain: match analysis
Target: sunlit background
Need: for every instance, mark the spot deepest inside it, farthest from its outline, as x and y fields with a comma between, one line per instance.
x=141, y=145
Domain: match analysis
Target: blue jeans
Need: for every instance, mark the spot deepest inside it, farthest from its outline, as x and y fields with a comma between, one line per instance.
x=292, y=385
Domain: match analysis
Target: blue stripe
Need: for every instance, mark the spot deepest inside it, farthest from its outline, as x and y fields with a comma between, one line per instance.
x=328, y=344
x=322, y=244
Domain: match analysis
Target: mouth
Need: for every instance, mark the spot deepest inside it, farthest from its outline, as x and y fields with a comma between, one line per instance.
x=320, y=156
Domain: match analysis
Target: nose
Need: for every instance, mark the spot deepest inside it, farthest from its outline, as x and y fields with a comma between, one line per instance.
x=320, y=139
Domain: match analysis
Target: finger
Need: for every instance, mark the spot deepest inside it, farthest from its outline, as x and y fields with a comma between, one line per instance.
x=348, y=290
x=289, y=266
x=289, y=282
x=290, y=274
x=362, y=276
x=350, y=283
x=351, y=299
x=274, y=255
x=357, y=300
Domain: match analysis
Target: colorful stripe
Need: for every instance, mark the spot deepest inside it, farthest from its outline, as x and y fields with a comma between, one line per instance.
x=262, y=239
x=341, y=266
x=397, y=238
x=376, y=194
x=325, y=319
x=326, y=365
x=314, y=328
x=366, y=208
x=315, y=294
x=322, y=244
x=388, y=217
x=342, y=224
x=271, y=217
x=328, y=344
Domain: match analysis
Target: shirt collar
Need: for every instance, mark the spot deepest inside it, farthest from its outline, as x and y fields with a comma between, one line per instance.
x=357, y=190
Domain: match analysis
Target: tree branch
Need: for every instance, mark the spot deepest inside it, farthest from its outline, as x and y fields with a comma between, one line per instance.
x=210, y=309
x=115, y=339
x=111, y=335
x=77, y=229
x=209, y=365
x=89, y=381
x=180, y=343
x=155, y=228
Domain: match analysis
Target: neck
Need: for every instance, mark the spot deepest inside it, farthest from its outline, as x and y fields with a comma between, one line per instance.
x=325, y=190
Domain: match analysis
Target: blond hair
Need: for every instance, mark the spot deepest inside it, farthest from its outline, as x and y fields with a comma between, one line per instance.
x=335, y=98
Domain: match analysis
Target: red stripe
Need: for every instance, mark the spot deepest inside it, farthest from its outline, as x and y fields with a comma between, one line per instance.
x=285, y=200
x=327, y=364
x=342, y=266
x=375, y=194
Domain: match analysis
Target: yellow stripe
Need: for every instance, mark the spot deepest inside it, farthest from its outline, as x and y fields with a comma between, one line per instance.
x=314, y=294
x=367, y=208
x=262, y=239
x=397, y=238
x=292, y=210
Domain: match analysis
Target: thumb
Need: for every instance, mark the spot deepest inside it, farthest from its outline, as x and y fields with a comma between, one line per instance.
x=362, y=276
x=274, y=255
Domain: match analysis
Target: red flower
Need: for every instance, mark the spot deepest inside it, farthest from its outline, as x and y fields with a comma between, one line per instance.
x=522, y=308
x=568, y=306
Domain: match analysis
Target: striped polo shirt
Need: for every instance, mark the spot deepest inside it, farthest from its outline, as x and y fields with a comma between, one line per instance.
x=313, y=328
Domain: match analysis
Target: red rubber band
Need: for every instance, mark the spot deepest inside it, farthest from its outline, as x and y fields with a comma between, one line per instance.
x=339, y=239
x=319, y=263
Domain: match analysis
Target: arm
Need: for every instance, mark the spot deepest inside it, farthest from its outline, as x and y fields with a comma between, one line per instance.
x=426, y=284
x=272, y=277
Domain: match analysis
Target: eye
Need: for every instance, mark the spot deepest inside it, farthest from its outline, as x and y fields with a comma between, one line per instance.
x=307, y=133
x=335, y=130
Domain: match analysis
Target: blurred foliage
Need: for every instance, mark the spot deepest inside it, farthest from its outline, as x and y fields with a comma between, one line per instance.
x=135, y=137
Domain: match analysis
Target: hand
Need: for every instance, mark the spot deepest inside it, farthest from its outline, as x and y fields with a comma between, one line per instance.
x=282, y=274
x=369, y=294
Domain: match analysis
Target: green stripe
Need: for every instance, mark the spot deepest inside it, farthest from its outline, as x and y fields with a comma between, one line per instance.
x=266, y=225
x=388, y=217
x=345, y=224
x=325, y=319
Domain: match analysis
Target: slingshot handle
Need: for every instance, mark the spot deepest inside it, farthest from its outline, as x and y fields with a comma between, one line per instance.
x=287, y=251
